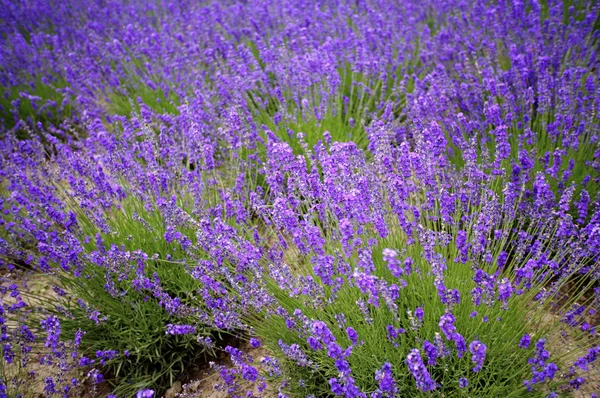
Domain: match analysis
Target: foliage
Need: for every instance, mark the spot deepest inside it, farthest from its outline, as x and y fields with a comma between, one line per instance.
x=393, y=198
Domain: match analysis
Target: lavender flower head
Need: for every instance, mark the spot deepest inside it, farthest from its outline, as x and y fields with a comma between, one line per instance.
x=478, y=350
x=525, y=341
x=145, y=393
x=419, y=371
x=180, y=329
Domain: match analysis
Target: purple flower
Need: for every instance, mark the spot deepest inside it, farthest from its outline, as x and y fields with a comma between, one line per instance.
x=254, y=343
x=505, y=291
x=352, y=335
x=502, y=258
x=272, y=366
x=78, y=336
x=180, y=329
x=478, y=350
x=463, y=383
x=589, y=358
x=393, y=333
x=49, y=386
x=336, y=387
x=408, y=263
x=314, y=343
x=106, y=355
x=9, y=354
x=145, y=393
x=419, y=313
x=439, y=343
x=577, y=382
x=295, y=353
x=391, y=258
x=95, y=376
x=322, y=332
x=249, y=372
x=237, y=355
x=525, y=341
x=384, y=376
x=540, y=370
x=419, y=371
x=335, y=351
x=206, y=342
x=52, y=327
x=461, y=344
x=431, y=351
x=447, y=325
x=85, y=361
x=342, y=366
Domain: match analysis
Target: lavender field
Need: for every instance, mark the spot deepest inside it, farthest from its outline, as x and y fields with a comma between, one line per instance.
x=299, y=198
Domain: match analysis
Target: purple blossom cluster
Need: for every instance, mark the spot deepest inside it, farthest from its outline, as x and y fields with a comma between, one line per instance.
x=180, y=329
x=541, y=370
x=478, y=350
x=367, y=191
x=420, y=372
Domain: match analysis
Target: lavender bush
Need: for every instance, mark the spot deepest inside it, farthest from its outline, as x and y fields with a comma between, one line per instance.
x=444, y=276
x=386, y=198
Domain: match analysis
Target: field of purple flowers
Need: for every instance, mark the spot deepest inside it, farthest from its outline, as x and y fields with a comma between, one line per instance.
x=351, y=198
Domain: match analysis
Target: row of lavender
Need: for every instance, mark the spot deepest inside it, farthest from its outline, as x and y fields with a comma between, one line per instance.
x=394, y=199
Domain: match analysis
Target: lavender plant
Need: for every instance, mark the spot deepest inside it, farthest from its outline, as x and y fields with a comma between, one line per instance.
x=391, y=198
x=115, y=291
x=120, y=265
x=364, y=305
x=530, y=104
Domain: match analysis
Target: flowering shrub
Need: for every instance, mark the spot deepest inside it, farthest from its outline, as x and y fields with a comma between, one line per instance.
x=385, y=198
x=433, y=280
